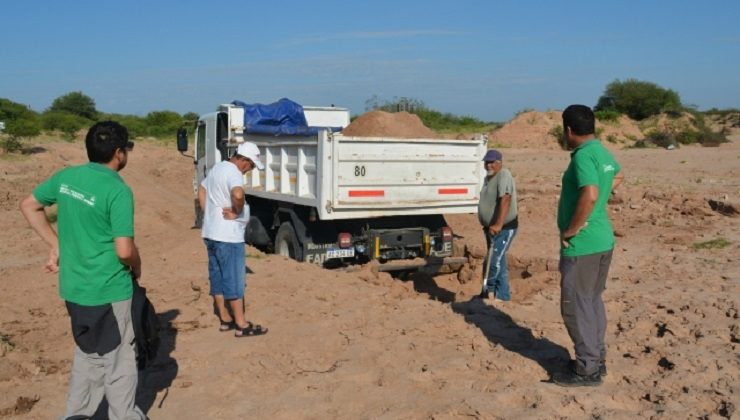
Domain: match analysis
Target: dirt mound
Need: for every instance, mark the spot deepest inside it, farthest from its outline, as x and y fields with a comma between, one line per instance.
x=530, y=130
x=390, y=124
x=669, y=123
x=538, y=130
x=728, y=123
x=625, y=130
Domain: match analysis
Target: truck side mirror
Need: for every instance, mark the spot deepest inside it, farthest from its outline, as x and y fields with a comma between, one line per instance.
x=182, y=140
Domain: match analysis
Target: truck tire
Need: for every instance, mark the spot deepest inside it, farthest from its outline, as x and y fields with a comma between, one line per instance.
x=286, y=242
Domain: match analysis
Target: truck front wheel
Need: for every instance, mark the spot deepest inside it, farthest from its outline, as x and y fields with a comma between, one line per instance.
x=286, y=242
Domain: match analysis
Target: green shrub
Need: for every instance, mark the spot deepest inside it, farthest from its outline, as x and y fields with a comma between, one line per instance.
x=713, y=138
x=638, y=99
x=689, y=136
x=10, y=111
x=75, y=103
x=135, y=125
x=607, y=116
x=68, y=124
x=559, y=135
x=722, y=112
x=18, y=129
x=523, y=111
x=162, y=123
x=703, y=136
x=436, y=120
x=661, y=139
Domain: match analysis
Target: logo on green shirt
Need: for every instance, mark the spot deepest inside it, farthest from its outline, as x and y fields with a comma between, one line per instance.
x=82, y=196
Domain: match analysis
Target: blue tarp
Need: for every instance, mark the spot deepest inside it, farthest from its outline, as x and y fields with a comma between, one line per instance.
x=281, y=118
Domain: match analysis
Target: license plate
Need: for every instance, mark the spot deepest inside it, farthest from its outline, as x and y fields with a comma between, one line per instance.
x=340, y=253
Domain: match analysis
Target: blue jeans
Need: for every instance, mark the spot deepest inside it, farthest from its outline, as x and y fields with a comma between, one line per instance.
x=497, y=280
x=226, y=271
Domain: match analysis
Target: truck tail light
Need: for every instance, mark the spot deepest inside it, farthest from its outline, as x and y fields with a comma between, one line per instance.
x=446, y=234
x=344, y=239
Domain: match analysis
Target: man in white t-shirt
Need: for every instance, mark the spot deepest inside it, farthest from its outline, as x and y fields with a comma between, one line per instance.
x=225, y=216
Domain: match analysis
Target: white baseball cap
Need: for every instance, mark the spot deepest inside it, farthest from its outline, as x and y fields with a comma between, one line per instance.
x=251, y=152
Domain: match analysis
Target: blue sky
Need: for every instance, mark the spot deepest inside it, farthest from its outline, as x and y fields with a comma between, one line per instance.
x=488, y=59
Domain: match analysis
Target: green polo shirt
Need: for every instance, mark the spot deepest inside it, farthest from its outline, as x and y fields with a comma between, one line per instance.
x=590, y=164
x=94, y=206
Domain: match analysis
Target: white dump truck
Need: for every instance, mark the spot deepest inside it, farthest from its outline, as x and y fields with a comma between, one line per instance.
x=324, y=197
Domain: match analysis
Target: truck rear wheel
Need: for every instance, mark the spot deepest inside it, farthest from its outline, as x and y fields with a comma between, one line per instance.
x=286, y=242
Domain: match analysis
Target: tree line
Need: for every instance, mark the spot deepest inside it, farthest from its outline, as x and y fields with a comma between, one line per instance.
x=75, y=111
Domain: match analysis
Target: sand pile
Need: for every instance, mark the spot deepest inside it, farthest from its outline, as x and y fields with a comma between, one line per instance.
x=389, y=124
x=528, y=130
x=625, y=130
x=537, y=130
x=667, y=123
x=728, y=123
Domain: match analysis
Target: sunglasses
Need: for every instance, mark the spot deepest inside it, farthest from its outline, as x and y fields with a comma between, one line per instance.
x=129, y=146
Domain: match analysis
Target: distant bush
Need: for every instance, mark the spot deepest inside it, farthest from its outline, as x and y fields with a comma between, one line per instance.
x=20, y=122
x=523, y=111
x=722, y=112
x=18, y=129
x=661, y=139
x=10, y=111
x=607, y=116
x=68, y=124
x=436, y=120
x=162, y=123
x=158, y=124
x=638, y=99
x=76, y=103
x=559, y=135
x=135, y=125
x=705, y=137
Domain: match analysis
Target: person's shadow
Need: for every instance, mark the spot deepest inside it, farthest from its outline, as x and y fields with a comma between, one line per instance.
x=500, y=329
x=156, y=377
x=160, y=374
x=424, y=283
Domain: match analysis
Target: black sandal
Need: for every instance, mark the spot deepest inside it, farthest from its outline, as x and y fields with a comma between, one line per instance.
x=226, y=326
x=250, y=330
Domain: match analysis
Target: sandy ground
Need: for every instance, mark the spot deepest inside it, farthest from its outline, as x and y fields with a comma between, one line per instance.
x=349, y=343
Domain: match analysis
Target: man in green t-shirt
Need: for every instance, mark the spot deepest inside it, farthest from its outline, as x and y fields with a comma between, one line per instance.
x=93, y=251
x=586, y=244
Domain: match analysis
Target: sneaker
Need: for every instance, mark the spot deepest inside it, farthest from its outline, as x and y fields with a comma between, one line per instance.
x=602, y=367
x=571, y=378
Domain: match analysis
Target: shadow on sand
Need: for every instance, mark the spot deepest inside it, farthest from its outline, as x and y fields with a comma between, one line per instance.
x=159, y=375
x=500, y=329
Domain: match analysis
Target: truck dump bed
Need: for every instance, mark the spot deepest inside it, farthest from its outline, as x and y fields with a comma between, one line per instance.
x=361, y=177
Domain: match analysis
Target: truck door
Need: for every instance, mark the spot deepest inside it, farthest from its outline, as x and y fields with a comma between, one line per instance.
x=206, y=154
x=200, y=153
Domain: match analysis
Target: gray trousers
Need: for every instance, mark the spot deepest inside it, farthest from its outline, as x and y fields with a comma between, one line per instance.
x=582, y=282
x=113, y=375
